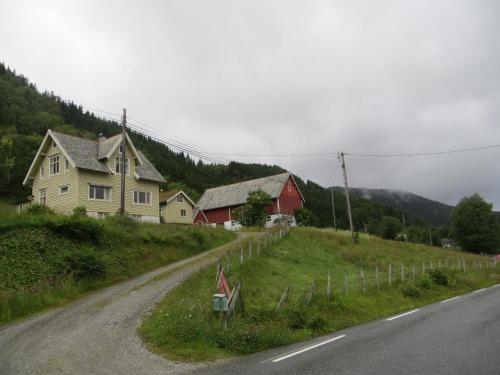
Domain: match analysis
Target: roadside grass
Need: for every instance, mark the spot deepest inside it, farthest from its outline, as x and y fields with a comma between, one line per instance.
x=47, y=260
x=183, y=327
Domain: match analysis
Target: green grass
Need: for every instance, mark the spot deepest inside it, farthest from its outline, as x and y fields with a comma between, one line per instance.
x=184, y=327
x=47, y=260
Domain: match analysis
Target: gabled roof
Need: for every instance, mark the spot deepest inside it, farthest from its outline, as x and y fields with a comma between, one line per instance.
x=167, y=196
x=107, y=145
x=236, y=194
x=91, y=155
x=147, y=171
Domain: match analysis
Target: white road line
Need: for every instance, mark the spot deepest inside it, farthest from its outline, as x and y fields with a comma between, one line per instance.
x=307, y=348
x=450, y=299
x=400, y=316
x=480, y=290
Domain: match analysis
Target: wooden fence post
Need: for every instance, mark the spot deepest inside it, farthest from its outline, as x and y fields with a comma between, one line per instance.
x=345, y=283
x=250, y=251
x=439, y=264
x=363, y=280
x=258, y=247
x=219, y=269
x=310, y=294
x=376, y=277
x=413, y=272
x=284, y=297
x=402, y=273
x=463, y=264
x=390, y=274
x=423, y=268
x=329, y=287
x=241, y=254
x=459, y=267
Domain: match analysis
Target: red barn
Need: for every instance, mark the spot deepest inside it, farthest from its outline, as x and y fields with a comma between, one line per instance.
x=216, y=204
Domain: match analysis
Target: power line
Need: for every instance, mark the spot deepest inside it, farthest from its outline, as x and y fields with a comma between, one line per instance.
x=471, y=149
x=174, y=144
x=219, y=157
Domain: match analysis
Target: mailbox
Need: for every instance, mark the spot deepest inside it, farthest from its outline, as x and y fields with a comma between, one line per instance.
x=220, y=302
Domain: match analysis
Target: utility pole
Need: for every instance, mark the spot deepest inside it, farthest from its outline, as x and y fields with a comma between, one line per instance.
x=348, y=201
x=333, y=210
x=122, y=162
x=404, y=227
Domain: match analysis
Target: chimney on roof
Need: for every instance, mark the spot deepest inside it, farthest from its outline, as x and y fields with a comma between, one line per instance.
x=102, y=138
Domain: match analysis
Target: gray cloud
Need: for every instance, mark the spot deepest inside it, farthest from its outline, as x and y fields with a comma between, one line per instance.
x=279, y=77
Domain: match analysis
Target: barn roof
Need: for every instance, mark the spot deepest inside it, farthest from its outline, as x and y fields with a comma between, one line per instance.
x=236, y=194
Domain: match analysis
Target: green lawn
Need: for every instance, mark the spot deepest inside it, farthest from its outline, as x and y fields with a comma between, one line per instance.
x=47, y=260
x=184, y=327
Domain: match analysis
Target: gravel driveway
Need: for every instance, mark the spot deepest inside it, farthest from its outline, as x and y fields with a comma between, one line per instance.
x=97, y=334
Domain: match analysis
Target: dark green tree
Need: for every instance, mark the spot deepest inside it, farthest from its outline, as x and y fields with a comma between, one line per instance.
x=305, y=217
x=474, y=226
x=253, y=212
x=390, y=227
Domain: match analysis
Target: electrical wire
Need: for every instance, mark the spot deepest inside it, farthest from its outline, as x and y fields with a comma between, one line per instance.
x=218, y=157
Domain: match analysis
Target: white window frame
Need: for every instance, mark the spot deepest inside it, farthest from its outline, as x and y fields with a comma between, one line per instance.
x=183, y=211
x=118, y=163
x=54, y=163
x=148, y=194
x=179, y=198
x=109, y=199
x=61, y=188
x=42, y=193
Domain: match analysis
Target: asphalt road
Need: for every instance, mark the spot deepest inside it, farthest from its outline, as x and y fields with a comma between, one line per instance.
x=97, y=334
x=453, y=337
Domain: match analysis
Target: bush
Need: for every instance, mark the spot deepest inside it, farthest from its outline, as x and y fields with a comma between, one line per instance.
x=85, y=265
x=79, y=211
x=425, y=282
x=84, y=229
x=410, y=291
x=39, y=209
x=439, y=277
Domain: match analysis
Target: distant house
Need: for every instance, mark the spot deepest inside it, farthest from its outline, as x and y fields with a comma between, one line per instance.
x=69, y=171
x=176, y=207
x=217, y=204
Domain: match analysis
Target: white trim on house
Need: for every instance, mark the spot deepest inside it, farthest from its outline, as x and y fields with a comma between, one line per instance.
x=185, y=196
x=39, y=153
x=132, y=147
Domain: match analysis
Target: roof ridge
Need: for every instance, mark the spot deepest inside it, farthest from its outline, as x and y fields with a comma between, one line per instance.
x=85, y=139
x=253, y=179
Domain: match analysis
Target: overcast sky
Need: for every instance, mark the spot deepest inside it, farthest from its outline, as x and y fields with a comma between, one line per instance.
x=281, y=77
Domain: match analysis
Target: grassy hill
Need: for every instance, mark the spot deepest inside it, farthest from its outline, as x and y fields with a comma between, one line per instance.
x=26, y=114
x=184, y=327
x=47, y=260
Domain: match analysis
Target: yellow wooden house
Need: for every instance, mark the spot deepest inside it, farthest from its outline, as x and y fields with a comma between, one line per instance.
x=69, y=172
x=176, y=207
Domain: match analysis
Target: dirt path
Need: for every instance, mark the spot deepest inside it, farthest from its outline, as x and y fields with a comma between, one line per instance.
x=98, y=333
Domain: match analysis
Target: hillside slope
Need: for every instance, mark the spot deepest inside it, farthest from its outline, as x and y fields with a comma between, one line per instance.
x=184, y=326
x=415, y=206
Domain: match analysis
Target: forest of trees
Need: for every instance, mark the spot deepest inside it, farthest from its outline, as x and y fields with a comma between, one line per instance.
x=26, y=115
